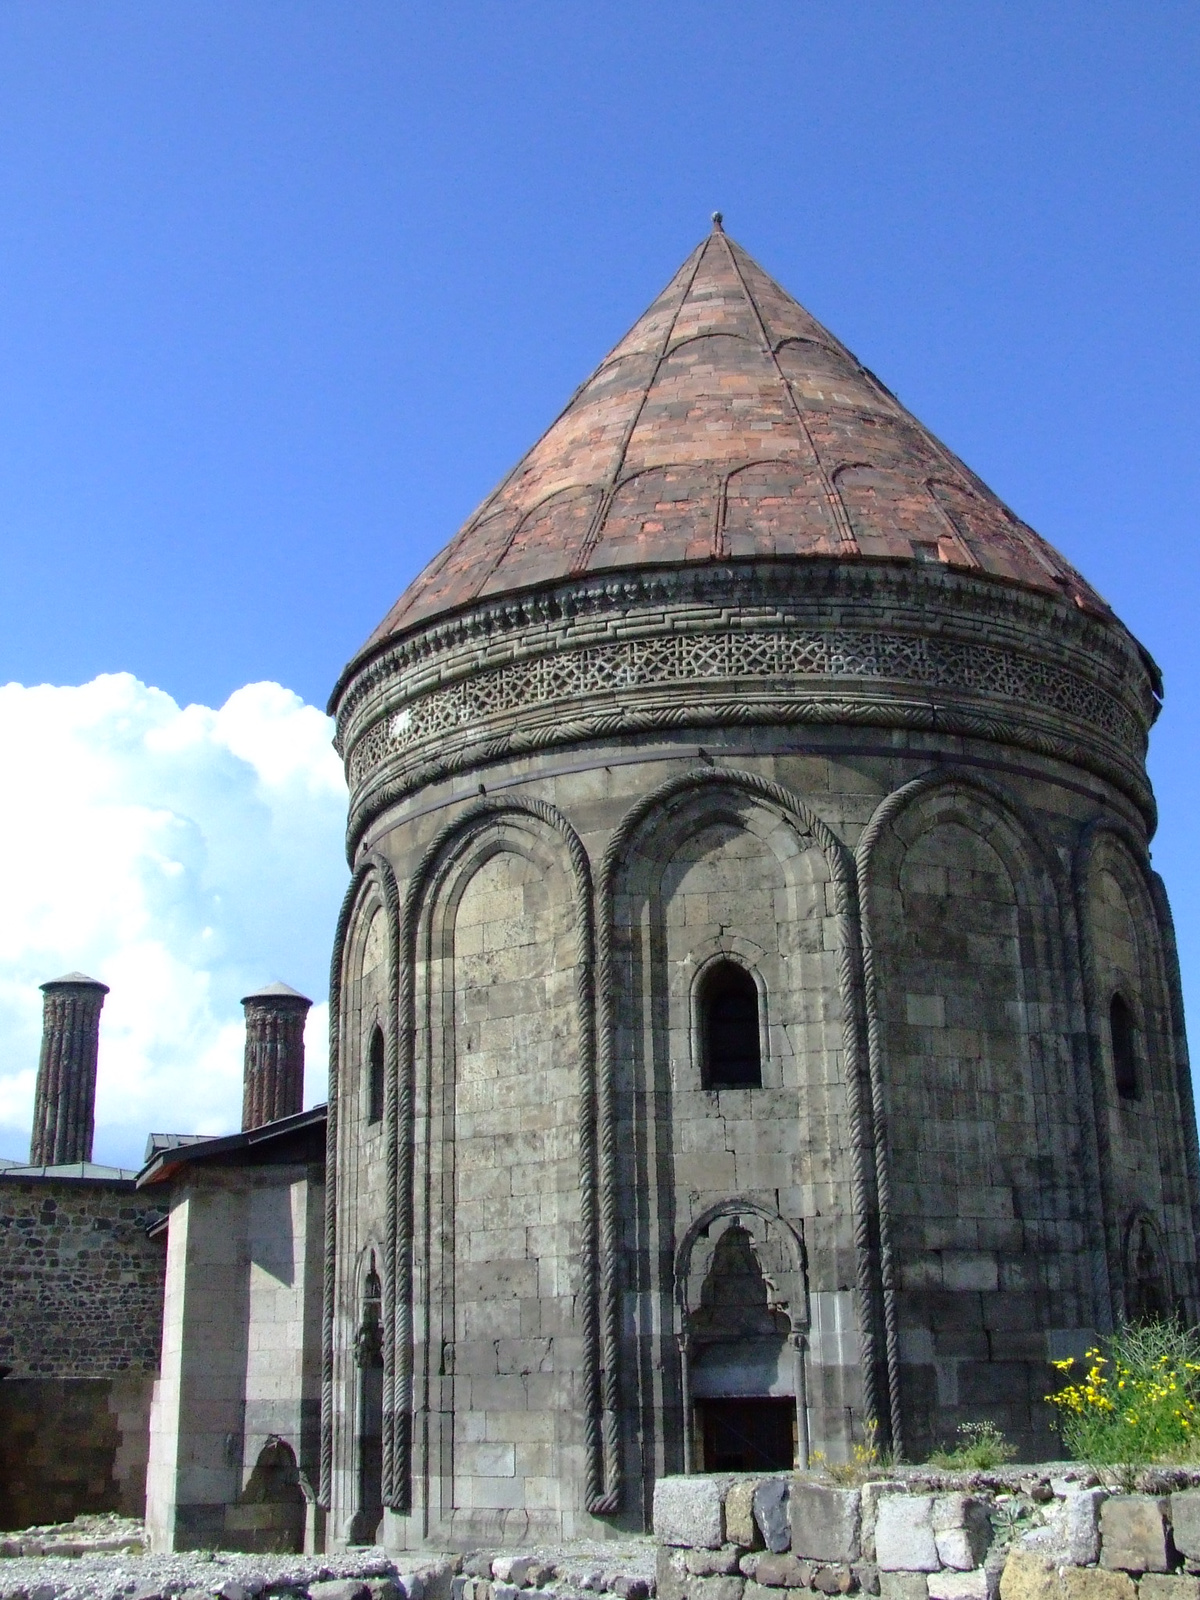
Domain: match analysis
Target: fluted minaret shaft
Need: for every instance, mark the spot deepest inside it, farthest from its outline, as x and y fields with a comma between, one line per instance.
x=273, y=1084
x=64, y=1109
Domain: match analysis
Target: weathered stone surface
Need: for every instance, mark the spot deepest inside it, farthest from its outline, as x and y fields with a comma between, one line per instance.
x=722, y=1563
x=1094, y=1583
x=1169, y=1586
x=1029, y=1576
x=527, y=1572
x=1185, y=1522
x=740, y=1526
x=715, y=1588
x=339, y=1589
x=958, y=1585
x=411, y=1585
x=771, y=1513
x=866, y=1575
x=869, y=1497
x=962, y=1531
x=1133, y=1534
x=758, y=1591
x=1076, y=1524
x=836, y=1579
x=688, y=1511
x=903, y=1585
x=825, y=1522
x=386, y=1589
x=670, y=1575
x=783, y=1571
x=904, y=1537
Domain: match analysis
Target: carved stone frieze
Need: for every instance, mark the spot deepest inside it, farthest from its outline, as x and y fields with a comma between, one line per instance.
x=958, y=656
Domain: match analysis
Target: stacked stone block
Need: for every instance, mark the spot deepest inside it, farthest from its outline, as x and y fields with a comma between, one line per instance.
x=1006, y=1535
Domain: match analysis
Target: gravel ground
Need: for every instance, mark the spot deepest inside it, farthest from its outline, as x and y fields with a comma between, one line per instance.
x=111, y=1564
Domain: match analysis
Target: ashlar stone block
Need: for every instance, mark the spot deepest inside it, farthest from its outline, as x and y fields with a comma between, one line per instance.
x=904, y=1536
x=1133, y=1534
x=1076, y=1524
x=956, y=1585
x=1185, y=1522
x=1094, y=1583
x=722, y=1563
x=1029, y=1576
x=688, y=1511
x=715, y=1588
x=962, y=1531
x=771, y=1513
x=740, y=1526
x=783, y=1572
x=825, y=1522
x=1164, y=1586
x=903, y=1586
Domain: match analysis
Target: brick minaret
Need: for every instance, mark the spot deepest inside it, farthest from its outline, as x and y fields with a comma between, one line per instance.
x=273, y=1085
x=64, y=1110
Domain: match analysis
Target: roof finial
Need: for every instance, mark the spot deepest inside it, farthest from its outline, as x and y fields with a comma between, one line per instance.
x=718, y=222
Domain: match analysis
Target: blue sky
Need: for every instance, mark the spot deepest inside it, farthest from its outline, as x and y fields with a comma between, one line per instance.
x=286, y=287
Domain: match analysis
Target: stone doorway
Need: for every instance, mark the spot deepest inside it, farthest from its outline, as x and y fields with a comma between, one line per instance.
x=746, y=1435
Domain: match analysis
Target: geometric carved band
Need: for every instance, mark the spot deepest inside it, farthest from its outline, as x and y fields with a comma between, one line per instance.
x=764, y=654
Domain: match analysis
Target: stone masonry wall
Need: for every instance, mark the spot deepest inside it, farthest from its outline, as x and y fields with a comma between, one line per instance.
x=80, y=1282
x=1015, y=1534
x=72, y=1446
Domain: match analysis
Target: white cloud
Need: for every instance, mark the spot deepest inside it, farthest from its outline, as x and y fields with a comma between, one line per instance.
x=182, y=855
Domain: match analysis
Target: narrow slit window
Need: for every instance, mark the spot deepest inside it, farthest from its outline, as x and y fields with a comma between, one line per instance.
x=375, y=1076
x=730, y=1048
x=1124, y=1052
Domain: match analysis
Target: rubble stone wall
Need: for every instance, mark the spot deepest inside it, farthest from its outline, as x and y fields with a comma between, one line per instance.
x=80, y=1282
x=1015, y=1534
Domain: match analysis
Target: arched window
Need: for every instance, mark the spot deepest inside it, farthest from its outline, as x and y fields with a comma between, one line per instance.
x=730, y=1051
x=1124, y=1053
x=375, y=1076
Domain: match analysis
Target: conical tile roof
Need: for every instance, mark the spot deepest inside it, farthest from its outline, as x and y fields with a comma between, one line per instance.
x=728, y=423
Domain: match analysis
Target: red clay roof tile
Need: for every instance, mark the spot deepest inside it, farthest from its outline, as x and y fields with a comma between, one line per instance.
x=729, y=423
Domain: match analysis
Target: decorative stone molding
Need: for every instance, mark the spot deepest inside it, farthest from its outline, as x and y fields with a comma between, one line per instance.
x=474, y=704
x=945, y=653
x=590, y=611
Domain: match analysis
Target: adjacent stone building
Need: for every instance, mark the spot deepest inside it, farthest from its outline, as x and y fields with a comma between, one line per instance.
x=81, y=1285
x=160, y=1331
x=756, y=1015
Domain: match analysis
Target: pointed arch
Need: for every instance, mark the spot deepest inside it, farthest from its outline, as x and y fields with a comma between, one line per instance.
x=1109, y=847
x=372, y=889
x=839, y=866
x=453, y=841
x=776, y=1248
x=1017, y=839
